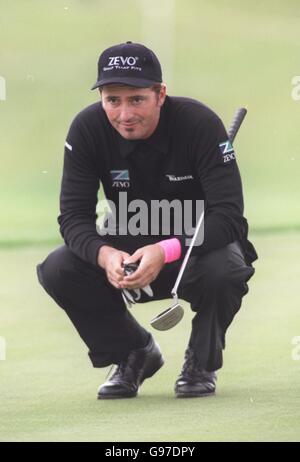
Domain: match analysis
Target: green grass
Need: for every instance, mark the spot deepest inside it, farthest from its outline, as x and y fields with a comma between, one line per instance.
x=227, y=54
x=48, y=387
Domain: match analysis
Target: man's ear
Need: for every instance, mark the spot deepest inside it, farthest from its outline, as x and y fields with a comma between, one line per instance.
x=162, y=94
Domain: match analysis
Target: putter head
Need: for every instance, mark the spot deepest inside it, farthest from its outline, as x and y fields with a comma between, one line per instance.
x=168, y=318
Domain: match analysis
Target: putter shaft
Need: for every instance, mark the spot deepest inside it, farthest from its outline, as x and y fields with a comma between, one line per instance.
x=187, y=255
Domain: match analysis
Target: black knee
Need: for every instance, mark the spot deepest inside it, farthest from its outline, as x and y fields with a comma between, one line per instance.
x=216, y=273
x=63, y=272
x=204, y=274
x=49, y=272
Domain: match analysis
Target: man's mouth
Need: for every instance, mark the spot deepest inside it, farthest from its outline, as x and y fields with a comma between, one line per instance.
x=129, y=125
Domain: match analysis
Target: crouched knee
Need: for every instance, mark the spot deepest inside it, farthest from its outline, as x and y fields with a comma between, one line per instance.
x=49, y=271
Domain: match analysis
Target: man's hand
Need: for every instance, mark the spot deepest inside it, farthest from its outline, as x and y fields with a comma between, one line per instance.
x=111, y=260
x=152, y=260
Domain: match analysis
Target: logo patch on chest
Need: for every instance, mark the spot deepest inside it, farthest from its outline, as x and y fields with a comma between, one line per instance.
x=120, y=178
x=179, y=178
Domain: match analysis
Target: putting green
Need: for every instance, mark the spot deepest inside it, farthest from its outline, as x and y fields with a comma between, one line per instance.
x=48, y=387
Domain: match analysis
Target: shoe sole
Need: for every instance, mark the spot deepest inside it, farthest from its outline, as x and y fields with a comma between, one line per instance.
x=194, y=395
x=116, y=396
x=149, y=374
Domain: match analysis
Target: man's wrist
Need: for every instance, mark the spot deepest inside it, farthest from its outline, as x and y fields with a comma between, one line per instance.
x=104, y=249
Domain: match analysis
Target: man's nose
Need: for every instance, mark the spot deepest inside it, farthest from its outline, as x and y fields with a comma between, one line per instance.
x=125, y=113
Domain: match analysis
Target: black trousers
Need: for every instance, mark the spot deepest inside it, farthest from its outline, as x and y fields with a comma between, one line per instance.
x=213, y=284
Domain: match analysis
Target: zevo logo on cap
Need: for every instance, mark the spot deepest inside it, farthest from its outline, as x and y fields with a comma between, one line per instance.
x=118, y=60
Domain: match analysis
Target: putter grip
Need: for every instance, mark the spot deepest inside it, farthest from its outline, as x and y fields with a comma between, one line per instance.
x=236, y=123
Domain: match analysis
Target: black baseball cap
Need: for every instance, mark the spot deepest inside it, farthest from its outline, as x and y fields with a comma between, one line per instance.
x=129, y=64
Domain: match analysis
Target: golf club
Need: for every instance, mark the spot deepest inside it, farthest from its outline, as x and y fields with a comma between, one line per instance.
x=173, y=315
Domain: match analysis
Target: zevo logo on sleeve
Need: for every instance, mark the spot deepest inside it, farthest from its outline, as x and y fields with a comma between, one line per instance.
x=227, y=151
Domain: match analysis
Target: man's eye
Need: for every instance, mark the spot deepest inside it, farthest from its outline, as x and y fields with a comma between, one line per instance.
x=112, y=100
x=138, y=99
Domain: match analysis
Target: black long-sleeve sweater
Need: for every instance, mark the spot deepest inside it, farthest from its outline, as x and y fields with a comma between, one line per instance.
x=188, y=157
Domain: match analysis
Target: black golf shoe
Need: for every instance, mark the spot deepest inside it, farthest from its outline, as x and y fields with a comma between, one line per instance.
x=194, y=381
x=130, y=373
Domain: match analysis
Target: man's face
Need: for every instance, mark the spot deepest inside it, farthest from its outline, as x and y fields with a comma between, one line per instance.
x=133, y=112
